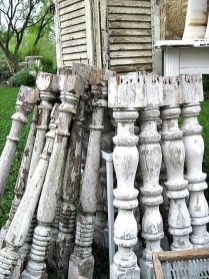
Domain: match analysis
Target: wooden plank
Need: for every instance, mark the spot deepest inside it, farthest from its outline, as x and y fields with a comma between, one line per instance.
x=73, y=22
x=184, y=255
x=126, y=10
x=131, y=68
x=129, y=46
x=73, y=36
x=128, y=32
x=129, y=3
x=72, y=15
x=74, y=43
x=72, y=8
x=73, y=29
x=75, y=49
x=135, y=53
x=70, y=62
x=157, y=266
x=130, y=61
x=130, y=39
x=129, y=24
x=75, y=56
x=129, y=17
x=66, y=3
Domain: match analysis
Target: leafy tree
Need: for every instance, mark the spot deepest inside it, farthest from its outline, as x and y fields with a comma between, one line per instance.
x=18, y=17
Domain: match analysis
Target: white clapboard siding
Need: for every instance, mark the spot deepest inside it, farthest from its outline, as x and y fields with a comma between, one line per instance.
x=130, y=35
x=72, y=31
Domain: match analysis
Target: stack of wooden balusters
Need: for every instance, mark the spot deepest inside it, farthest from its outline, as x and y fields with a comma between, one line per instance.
x=60, y=193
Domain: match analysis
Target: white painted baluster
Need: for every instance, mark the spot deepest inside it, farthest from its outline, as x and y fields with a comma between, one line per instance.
x=47, y=85
x=22, y=175
x=150, y=160
x=125, y=97
x=20, y=224
x=81, y=261
x=174, y=156
x=194, y=147
x=26, y=99
x=71, y=88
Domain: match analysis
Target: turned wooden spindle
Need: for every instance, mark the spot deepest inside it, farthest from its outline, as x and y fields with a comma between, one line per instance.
x=70, y=191
x=47, y=86
x=150, y=159
x=26, y=99
x=22, y=175
x=18, y=230
x=194, y=148
x=179, y=220
x=82, y=261
x=101, y=220
x=71, y=88
x=125, y=97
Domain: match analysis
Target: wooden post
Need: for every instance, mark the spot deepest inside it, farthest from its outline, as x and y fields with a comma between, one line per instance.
x=150, y=160
x=71, y=186
x=48, y=88
x=26, y=99
x=174, y=156
x=71, y=89
x=22, y=175
x=82, y=261
x=20, y=224
x=194, y=148
x=125, y=97
x=101, y=220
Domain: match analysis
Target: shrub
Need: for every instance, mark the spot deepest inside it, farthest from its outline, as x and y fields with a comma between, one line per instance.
x=4, y=72
x=24, y=77
x=47, y=65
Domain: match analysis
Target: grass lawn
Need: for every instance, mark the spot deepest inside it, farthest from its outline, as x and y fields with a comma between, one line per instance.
x=7, y=108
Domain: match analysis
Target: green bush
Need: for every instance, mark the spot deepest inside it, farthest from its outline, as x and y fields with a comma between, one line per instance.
x=24, y=77
x=47, y=65
x=4, y=72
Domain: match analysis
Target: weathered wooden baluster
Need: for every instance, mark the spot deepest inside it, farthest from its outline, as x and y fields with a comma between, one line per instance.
x=81, y=261
x=174, y=156
x=101, y=230
x=194, y=148
x=71, y=186
x=47, y=85
x=26, y=99
x=125, y=97
x=20, y=224
x=71, y=88
x=150, y=159
x=23, y=174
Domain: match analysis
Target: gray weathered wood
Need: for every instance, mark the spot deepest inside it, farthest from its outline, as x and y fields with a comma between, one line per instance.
x=82, y=261
x=26, y=99
x=18, y=230
x=194, y=148
x=22, y=175
x=179, y=220
x=72, y=88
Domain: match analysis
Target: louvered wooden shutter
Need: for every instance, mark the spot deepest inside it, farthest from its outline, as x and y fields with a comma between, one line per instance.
x=130, y=36
x=72, y=31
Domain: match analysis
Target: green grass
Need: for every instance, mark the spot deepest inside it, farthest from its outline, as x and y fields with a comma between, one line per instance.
x=7, y=108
